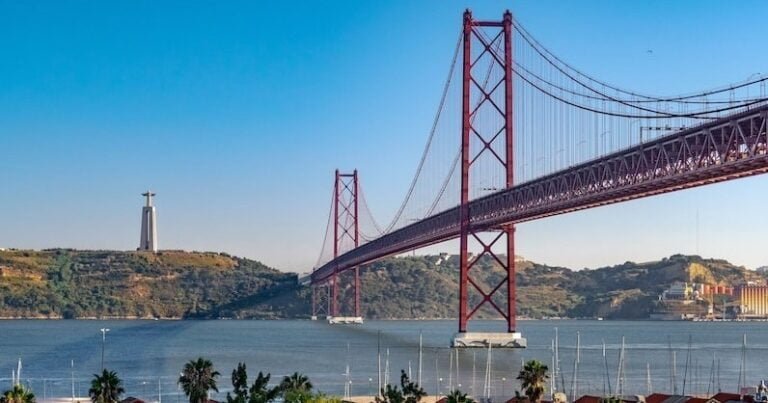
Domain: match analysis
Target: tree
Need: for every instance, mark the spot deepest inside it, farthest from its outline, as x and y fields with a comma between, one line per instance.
x=239, y=385
x=197, y=378
x=296, y=388
x=390, y=394
x=411, y=392
x=296, y=383
x=18, y=394
x=260, y=390
x=457, y=397
x=106, y=388
x=533, y=378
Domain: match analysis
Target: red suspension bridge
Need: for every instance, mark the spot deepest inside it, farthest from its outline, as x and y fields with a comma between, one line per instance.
x=524, y=135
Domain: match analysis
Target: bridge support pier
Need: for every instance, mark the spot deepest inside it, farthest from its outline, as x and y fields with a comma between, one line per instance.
x=321, y=301
x=350, y=315
x=485, y=98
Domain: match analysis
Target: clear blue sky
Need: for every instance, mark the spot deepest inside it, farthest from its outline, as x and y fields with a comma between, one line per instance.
x=237, y=113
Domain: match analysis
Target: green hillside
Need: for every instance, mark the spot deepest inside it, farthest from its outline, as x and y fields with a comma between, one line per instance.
x=173, y=284
x=77, y=284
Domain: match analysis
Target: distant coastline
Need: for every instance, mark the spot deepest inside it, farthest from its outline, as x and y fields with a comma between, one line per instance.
x=60, y=284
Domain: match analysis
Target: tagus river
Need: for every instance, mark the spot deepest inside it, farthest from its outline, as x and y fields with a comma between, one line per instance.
x=149, y=355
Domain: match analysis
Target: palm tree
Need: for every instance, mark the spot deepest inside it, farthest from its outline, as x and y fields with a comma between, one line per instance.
x=533, y=378
x=106, y=388
x=296, y=382
x=197, y=378
x=18, y=394
x=457, y=397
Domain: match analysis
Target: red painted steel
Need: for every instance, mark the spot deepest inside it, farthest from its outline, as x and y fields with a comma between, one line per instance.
x=335, y=279
x=728, y=148
x=506, y=286
x=464, y=206
x=345, y=209
x=357, y=243
x=510, y=153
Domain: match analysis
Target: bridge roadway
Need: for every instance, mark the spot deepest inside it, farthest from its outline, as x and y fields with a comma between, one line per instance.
x=724, y=149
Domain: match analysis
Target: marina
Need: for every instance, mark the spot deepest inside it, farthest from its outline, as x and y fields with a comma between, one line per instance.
x=614, y=357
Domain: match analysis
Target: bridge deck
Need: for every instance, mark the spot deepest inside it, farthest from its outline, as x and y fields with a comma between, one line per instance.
x=728, y=148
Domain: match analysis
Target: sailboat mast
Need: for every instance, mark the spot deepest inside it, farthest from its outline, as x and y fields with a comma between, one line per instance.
x=674, y=371
x=347, y=385
x=420, y=356
x=648, y=386
x=574, y=380
x=711, y=380
x=386, y=369
x=458, y=382
x=437, y=375
x=607, y=379
x=450, y=372
x=687, y=363
x=474, y=373
x=743, y=366
x=72, y=368
x=552, y=386
x=487, y=382
x=620, y=371
x=558, y=373
x=378, y=354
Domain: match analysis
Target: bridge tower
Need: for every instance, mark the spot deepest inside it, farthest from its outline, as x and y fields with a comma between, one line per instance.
x=346, y=236
x=489, y=37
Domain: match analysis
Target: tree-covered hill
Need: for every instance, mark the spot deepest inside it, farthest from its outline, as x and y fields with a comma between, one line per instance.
x=77, y=284
x=63, y=283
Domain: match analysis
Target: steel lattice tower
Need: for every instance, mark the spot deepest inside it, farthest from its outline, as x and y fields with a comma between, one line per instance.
x=470, y=87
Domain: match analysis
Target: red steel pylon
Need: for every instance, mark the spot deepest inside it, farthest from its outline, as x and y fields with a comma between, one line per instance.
x=346, y=233
x=489, y=45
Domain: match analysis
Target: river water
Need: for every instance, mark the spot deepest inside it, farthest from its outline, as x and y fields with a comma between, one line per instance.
x=148, y=355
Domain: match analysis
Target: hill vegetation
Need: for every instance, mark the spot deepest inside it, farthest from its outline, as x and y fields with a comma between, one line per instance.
x=63, y=283
x=171, y=284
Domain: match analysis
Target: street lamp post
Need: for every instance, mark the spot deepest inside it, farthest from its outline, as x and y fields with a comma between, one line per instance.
x=103, y=342
x=370, y=386
x=503, y=385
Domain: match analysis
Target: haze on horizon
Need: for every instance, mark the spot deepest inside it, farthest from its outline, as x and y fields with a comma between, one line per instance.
x=238, y=113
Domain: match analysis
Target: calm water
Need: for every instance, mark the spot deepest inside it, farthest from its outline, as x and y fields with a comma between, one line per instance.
x=148, y=355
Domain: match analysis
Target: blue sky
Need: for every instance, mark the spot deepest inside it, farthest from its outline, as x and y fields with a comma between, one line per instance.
x=237, y=113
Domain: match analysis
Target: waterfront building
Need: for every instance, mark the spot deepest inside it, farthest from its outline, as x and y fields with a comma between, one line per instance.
x=148, y=240
x=678, y=291
x=709, y=289
x=753, y=300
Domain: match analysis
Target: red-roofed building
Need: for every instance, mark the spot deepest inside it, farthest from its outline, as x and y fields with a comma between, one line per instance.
x=656, y=398
x=589, y=399
x=723, y=397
